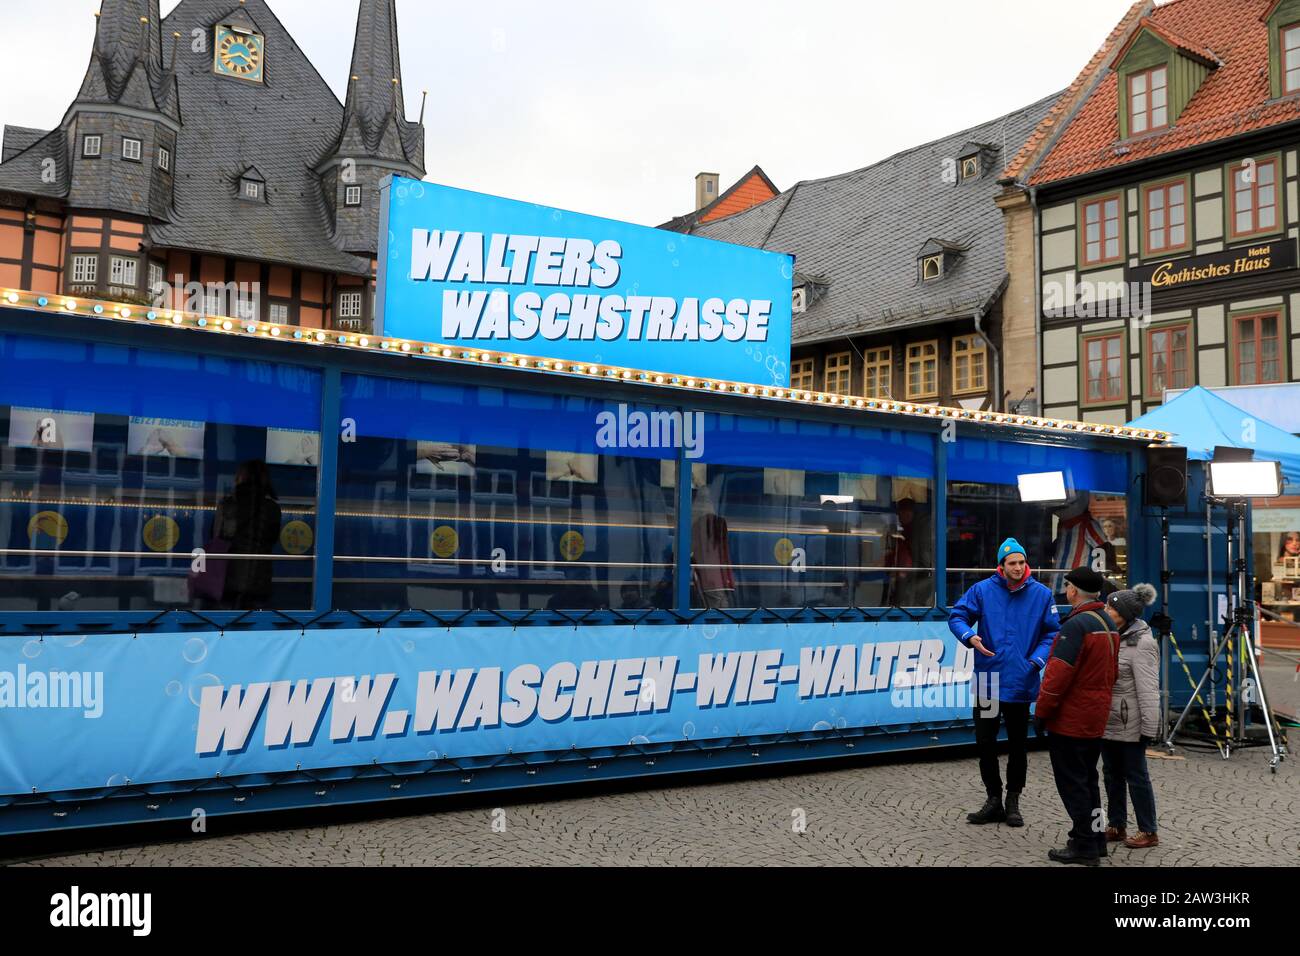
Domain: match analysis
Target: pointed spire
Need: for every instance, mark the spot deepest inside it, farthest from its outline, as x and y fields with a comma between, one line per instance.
x=126, y=65
x=374, y=113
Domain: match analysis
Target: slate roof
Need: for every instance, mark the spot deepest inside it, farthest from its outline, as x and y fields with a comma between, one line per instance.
x=18, y=138
x=24, y=171
x=282, y=127
x=374, y=118
x=861, y=232
x=1234, y=98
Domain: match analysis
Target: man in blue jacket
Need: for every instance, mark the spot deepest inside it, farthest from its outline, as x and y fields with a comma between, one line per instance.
x=1009, y=620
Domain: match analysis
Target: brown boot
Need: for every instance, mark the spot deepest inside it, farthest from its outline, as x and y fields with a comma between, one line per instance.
x=1115, y=836
x=1142, y=841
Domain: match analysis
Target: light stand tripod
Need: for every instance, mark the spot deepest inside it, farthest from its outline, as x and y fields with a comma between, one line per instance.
x=1161, y=622
x=1241, y=614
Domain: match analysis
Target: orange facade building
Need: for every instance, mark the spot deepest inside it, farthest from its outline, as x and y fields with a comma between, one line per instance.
x=206, y=165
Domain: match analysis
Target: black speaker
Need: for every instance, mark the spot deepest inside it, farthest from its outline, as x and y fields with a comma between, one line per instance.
x=1166, y=483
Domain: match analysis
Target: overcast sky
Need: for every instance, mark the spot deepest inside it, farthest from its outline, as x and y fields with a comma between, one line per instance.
x=613, y=107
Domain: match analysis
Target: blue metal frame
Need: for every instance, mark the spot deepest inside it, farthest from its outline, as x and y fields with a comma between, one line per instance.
x=176, y=800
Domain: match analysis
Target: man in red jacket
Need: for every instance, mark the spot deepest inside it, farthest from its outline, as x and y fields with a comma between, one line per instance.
x=1073, y=704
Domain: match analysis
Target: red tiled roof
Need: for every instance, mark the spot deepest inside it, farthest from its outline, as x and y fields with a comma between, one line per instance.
x=1233, y=99
x=1042, y=137
x=1190, y=47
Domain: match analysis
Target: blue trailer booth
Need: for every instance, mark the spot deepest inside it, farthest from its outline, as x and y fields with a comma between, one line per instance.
x=485, y=571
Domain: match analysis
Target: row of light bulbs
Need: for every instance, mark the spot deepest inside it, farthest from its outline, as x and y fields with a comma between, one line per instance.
x=226, y=324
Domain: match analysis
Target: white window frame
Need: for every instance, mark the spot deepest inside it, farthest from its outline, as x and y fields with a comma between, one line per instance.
x=349, y=192
x=278, y=313
x=87, y=151
x=123, y=271
x=85, y=268
x=157, y=277
x=937, y=259
x=130, y=153
x=349, y=305
x=164, y=159
x=245, y=185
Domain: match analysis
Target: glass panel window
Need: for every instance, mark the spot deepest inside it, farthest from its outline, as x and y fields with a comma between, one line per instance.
x=968, y=363
x=1291, y=59
x=1166, y=217
x=252, y=189
x=1167, y=359
x=1258, y=354
x=156, y=278
x=279, y=313
x=122, y=271
x=932, y=267
x=349, y=305
x=131, y=149
x=91, y=145
x=970, y=167
x=839, y=372
x=164, y=158
x=794, y=514
x=1104, y=368
x=1254, y=197
x=134, y=459
x=352, y=196
x=1101, y=231
x=85, y=269
x=877, y=372
x=460, y=497
x=984, y=507
x=923, y=370
x=1148, y=100
x=801, y=374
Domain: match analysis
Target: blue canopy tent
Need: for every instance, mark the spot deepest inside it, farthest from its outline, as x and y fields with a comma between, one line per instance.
x=1200, y=420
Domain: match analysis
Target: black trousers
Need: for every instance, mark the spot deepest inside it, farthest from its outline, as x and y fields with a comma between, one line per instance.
x=1074, y=765
x=986, y=744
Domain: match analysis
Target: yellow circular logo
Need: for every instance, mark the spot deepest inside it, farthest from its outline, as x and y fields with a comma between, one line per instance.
x=444, y=541
x=572, y=545
x=783, y=550
x=161, y=533
x=48, y=523
x=296, y=537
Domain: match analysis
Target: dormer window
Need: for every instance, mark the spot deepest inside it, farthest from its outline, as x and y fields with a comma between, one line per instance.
x=1291, y=59
x=970, y=167
x=252, y=187
x=1148, y=100
x=932, y=267
x=936, y=259
x=799, y=300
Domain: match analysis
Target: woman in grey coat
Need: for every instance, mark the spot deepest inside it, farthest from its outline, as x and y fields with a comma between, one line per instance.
x=1134, y=720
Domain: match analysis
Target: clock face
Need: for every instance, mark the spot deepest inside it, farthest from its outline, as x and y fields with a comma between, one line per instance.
x=239, y=54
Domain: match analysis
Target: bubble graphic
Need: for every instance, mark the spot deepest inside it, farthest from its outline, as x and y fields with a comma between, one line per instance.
x=173, y=688
x=822, y=725
x=408, y=646
x=200, y=682
x=672, y=247
x=841, y=722
x=688, y=729
x=557, y=215
x=417, y=190
x=675, y=263
x=116, y=780
x=74, y=640
x=195, y=650
x=639, y=739
x=711, y=631
x=432, y=755
x=32, y=650
x=787, y=270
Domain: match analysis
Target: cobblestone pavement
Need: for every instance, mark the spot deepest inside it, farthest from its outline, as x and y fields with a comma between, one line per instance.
x=1212, y=812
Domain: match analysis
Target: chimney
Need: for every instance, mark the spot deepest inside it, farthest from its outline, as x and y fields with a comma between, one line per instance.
x=706, y=189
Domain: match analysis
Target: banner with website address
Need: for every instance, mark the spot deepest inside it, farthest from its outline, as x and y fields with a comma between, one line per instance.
x=97, y=711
